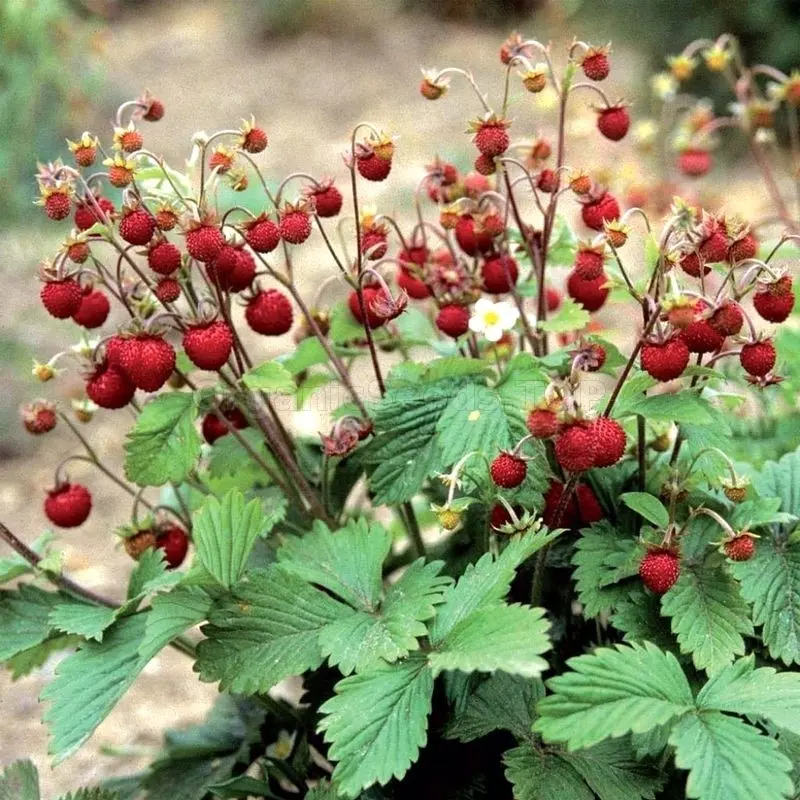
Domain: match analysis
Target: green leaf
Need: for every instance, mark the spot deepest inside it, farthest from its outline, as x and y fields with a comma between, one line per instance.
x=344, y=328
x=82, y=619
x=308, y=353
x=612, y=692
x=243, y=786
x=562, y=243
x=685, y=407
x=602, y=558
x=639, y=617
x=613, y=773
x=163, y=445
x=91, y=794
x=89, y=683
x=709, y=616
x=173, y=613
x=265, y=631
x=150, y=575
x=25, y=618
x=782, y=479
x=647, y=506
x=538, y=775
x=770, y=582
x=20, y=781
x=358, y=640
x=306, y=390
x=508, y=638
x=486, y=583
x=569, y=317
x=501, y=702
x=348, y=562
x=762, y=692
x=270, y=376
x=728, y=759
x=26, y=661
x=376, y=723
x=224, y=532
x=16, y=565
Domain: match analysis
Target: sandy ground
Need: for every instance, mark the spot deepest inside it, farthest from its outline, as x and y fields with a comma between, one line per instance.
x=210, y=71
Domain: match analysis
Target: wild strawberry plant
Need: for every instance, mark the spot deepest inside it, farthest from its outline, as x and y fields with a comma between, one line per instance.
x=527, y=564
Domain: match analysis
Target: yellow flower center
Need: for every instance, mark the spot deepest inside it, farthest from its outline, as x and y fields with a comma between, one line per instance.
x=491, y=318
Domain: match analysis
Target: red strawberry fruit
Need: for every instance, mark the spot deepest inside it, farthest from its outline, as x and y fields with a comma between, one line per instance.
x=164, y=258
x=209, y=345
x=61, y=298
x=453, y=320
x=667, y=360
x=471, y=236
x=86, y=215
x=508, y=470
x=148, y=360
x=326, y=197
x=269, y=313
x=576, y=447
x=590, y=294
x=742, y=248
x=295, y=226
x=204, y=242
x=610, y=441
x=613, y=122
x=167, y=290
x=728, y=319
x=694, y=162
x=213, y=427
x=740, y=548
x=109, y=387
x=491, y=136
x=659, y=569
x=589, y=262
x=39, y=417
x=68, y=505
x=758, y=358
x=137, y=226
x=599, y=210
x=175, y=544
x=775, y=301
x=57, y=204
x=701, y=337
x=595, y=64
x=542, y=423
x=94, y=309
x=581, y=510
x=499, y=274
x=371, y=293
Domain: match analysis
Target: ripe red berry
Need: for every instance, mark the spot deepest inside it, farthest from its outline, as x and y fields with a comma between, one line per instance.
x=694, y=162
x=758, y=358
x=254, y=140
x=78, y=252
x=86, y=215
x=154, y=110
x=590, y=294
x=692, y=264
x=471, y=237
x=485, y=165
x=552, y=298
x=204, y=242
x=602, y=209
x=269, y=313
x=175, y=544
x=326, y=197
x=595, y=65
x=373, y=167
x=499, y=516
x=137, y=226
x=576, y=447
x=453, y=320
x=659, y=569
x=166, y=218
x=547, y=180
x=94, y=309
x=374, y=319
x=415, y=288
x=57, y=205
x=167, y=290
x=213, y=427
x=39, y=417
x=700, y=337
x=148, y=360
x=68, y=505
x=665, y=361
x=775, y=301
x=499, y=274
x=742, y=248
x=374, y=244
x=740, y=548
x=613, y=122
x=542, y=423
x=164, y=258
x=113, y=350
x=208, y=346
x=728, y=319
x=508, y=470
x=108, y=386
x=610, y=441
x=61, y=298
x=491, y=137
x=262, y=234
x=581, y=510
x=715, y=247
x=589, y=262
x=295, y=226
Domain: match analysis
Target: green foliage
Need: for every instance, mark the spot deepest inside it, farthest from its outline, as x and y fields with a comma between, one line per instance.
x=270, y=376
x=647, y=506
x=20, y=781
x=164, y=444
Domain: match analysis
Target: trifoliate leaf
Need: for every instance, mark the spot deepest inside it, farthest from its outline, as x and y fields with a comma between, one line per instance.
x=265, y=631
x=358, y=640
x=762, y=692
x=728, y=759
x=612, y=692
x=485, y=583
x=647, y=506
x=224, y=532
x=569, y=317
x=270, y=376
x=25, y=618
x=769, y=581
x=539, y=775
x=508, y=638
x=82, y=619
x=709, y=616
x=376, y=723
x=782, y=479
x=348, y=562
x=500, y=702
x=20, y=781
x=163, y=445
x=685, y=407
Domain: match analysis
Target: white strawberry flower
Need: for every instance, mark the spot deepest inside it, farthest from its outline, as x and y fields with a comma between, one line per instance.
x=493, y=319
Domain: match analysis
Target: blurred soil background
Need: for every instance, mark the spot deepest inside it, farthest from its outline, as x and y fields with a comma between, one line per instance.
x=308, y=70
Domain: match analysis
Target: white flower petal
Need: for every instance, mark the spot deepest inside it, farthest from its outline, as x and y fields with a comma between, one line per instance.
x=476, y=324
x=493, y=333
x=482, y=306
x=508, y=315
